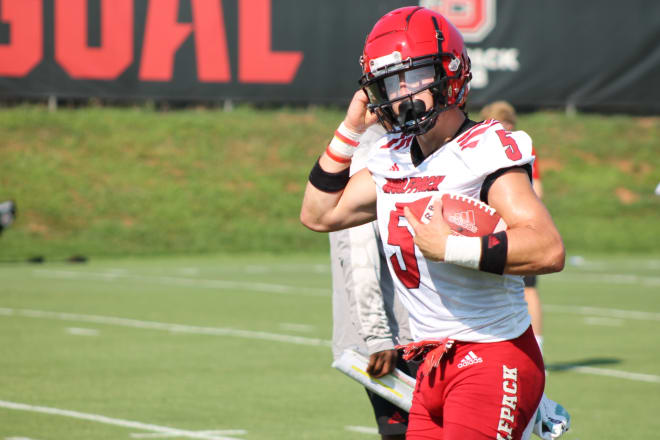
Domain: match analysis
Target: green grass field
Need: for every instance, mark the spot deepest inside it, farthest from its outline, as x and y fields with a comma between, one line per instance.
x=238, y=348
x=218, y=347
x=114, y=182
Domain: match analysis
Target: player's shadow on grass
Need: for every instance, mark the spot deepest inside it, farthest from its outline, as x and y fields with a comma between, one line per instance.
x=595, y=362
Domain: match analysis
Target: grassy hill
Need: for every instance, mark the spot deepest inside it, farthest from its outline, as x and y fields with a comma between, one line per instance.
x=112, y=182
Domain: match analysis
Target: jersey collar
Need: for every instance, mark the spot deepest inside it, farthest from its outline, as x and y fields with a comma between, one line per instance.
x=416, y=151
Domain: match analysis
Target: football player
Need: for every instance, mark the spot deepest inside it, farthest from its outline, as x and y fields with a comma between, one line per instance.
x=482, y=376
x=7, y=214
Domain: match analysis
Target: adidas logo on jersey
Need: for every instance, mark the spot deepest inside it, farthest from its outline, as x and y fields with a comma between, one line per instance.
x=395, y=167
x=470, y=359
x=464, y=220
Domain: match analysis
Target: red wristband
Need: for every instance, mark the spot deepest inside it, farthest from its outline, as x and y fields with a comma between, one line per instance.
x=336, y=157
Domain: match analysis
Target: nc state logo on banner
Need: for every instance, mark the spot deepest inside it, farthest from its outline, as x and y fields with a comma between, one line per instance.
x=474, y=18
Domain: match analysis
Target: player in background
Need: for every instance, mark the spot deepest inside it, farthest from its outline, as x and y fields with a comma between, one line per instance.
x=482, y=375
x=506, y=114
x=7, y=214
x=367, y=315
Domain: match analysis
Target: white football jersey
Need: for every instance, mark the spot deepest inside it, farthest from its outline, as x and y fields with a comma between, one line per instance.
x=446, y=300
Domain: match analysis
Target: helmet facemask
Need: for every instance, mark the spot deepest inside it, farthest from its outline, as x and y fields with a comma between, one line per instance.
x=397, y=92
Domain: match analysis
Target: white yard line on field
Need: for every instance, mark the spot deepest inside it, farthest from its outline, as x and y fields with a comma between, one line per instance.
x=182, y=281
x=604, y=278
x=362, y=429
x=209, y=432
x=602, y=312
x=175, y=328
x=112, y=421
x=606, y=265
x=290, y=326
x=604, y=322
x=638, y=377
x=82, y=331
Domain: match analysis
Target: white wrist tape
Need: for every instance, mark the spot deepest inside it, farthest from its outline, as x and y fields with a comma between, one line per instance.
x=345, y=141
x=463, y=251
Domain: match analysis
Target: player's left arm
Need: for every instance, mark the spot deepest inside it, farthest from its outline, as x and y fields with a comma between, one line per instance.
x=534, y=243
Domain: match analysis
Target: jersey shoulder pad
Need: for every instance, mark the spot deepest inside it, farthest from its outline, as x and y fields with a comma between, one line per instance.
x=389, y=146
x=488, y=147
x=395, y=142
x=370, y=142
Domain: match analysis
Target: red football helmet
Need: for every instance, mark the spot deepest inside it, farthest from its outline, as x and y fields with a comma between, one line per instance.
x=408, y=51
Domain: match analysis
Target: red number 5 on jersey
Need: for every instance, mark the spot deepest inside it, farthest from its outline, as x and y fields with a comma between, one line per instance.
x=400, y=236
x=512, y=151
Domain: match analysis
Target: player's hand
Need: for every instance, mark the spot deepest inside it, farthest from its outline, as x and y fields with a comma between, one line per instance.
x=382, y=363
x=431, y=237
x=358, y=117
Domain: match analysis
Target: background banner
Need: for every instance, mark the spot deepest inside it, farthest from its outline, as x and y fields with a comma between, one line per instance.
x=587, y=55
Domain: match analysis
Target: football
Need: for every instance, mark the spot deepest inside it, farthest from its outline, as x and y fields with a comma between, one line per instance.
x=466, y=216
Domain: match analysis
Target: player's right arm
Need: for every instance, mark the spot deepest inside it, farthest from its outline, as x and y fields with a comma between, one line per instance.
x=331, y=211
x=354, y=204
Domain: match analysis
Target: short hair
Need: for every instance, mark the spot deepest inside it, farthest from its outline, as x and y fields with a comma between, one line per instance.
x=500, y=110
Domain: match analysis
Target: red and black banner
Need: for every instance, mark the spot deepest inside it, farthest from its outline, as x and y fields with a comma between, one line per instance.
x=600, y=56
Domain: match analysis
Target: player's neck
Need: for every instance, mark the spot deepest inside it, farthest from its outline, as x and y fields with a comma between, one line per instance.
x=444, y=130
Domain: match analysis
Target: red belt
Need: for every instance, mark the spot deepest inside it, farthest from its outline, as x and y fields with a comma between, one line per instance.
x=430, y=351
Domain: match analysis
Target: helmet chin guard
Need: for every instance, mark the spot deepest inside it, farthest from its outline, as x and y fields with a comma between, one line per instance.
x=413, y=51
x=411, y=110
x=413, y=117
